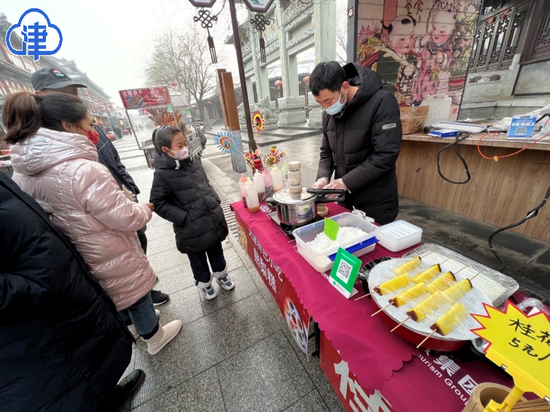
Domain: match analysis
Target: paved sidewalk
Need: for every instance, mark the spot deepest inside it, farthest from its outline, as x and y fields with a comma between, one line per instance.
x=234, y=353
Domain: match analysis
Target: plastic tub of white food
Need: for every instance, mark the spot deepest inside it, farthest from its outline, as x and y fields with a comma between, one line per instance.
x=323, y=261
x=399, y=235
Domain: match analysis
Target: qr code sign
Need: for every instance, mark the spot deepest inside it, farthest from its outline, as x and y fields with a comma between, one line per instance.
x=344, y=271
x=521, y=130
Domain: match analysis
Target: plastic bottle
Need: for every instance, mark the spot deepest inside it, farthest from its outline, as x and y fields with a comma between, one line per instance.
x=252, y=201
x=260, y=187
x=284, y=172
x=242, y=182
x=277, y=178
x=268, y=183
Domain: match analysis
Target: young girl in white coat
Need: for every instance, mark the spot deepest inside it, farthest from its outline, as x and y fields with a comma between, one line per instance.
x=55, y=161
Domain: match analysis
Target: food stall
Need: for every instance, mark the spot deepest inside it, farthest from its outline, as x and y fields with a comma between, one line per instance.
x=365, y=362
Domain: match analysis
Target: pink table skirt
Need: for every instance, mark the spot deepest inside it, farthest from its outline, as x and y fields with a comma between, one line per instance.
x=372, y=352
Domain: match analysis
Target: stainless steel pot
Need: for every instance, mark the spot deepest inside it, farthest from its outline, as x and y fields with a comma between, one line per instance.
x=297, y=210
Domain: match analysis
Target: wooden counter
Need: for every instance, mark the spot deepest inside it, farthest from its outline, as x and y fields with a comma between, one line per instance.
x=499, y=193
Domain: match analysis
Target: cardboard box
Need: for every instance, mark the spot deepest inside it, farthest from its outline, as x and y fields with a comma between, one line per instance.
x=413, y=118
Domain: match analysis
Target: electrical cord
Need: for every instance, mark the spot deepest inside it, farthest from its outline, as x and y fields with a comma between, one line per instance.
x=458, y=139
x=531, y=214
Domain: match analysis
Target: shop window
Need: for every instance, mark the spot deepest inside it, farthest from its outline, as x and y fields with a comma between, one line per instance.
x=540, y=49
x=498, y=36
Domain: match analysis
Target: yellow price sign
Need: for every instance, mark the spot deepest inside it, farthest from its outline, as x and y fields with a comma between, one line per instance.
x=520, y=343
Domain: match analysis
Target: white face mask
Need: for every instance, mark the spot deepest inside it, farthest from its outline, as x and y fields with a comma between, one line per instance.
x=180, y=154
x=337, y=107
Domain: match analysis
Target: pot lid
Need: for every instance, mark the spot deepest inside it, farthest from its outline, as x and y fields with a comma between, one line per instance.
x=285, y=197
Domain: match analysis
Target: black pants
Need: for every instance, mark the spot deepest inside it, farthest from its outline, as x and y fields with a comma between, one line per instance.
x=199, y=264
x=142, y=240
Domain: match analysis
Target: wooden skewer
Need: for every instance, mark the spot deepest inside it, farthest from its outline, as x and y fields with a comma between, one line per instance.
x=462, y=269
x=472, y=278
x=364, y=296
x=425, y=339
x=400, y=324
x=534, y=408
x=378, y=311
x=529, y=405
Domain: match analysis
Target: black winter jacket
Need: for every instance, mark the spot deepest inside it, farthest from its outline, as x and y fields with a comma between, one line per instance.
x=361, y=145
x=183, y=195
x=62, y=344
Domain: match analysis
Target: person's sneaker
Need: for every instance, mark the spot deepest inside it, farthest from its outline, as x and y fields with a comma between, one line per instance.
x=164, y=335
x=159, y=298
x=125, y=389
x=225, y=282
x=209, y=292
x=132, y=328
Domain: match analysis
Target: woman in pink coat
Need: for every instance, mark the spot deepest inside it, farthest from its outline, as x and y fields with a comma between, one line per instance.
x=55, y=161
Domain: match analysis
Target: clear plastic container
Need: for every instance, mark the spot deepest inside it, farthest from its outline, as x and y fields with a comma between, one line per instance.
x=325, y=260
x=399, y=235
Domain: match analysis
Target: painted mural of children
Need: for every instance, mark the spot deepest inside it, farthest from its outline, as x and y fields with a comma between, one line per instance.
x=436, y=52
x=396, y=64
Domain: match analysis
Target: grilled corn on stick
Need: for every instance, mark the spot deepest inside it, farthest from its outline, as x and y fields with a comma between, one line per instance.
x=431, y=303
x=445, y=281
x=394, y=284
x=450, y=320
x=428, y=274
x=407, y=267
x=411, y=293
x=455, y=292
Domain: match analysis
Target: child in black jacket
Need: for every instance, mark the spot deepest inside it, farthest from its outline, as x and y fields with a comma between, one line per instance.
x=182, y=194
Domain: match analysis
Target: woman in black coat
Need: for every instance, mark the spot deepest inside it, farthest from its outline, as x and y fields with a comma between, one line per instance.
x=182, y=195
x=62, y=345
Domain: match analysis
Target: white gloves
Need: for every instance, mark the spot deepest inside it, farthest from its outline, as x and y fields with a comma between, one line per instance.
x=337, y=184
x=320, y=183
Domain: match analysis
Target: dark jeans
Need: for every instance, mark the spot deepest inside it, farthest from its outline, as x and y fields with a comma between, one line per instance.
x=142, y=315
x=199, y=264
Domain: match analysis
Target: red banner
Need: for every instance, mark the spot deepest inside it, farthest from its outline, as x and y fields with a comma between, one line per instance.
x=297, y=318
x=151, y=96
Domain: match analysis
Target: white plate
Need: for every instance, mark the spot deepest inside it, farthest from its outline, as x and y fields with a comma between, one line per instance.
x=472, y=301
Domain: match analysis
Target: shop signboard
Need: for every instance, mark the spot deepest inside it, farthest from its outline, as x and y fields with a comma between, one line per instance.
x=202, y=3
x=258, y=6
x=292, y=309
x=150, y=96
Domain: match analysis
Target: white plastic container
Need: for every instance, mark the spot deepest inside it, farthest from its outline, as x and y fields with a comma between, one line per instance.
x=440, y=108
x=321, y=261
x=399, y=235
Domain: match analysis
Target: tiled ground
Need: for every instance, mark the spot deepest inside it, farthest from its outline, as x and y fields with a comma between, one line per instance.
x=236, y=353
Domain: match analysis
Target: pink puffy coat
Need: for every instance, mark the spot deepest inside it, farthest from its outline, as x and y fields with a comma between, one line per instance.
x=60, y=170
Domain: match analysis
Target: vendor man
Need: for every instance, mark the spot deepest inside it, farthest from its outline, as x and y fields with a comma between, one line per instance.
x=361, y=138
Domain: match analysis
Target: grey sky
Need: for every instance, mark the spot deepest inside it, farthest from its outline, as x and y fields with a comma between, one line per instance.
x=110, y=40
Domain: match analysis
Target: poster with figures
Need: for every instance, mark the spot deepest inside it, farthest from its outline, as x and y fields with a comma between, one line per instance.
x=418, y=47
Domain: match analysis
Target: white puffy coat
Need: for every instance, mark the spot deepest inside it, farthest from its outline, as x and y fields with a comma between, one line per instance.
x=60, y=170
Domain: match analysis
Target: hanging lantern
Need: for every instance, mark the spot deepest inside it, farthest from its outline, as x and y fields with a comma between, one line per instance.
x=206, y=19
x=259, y=22
x=306, y=80
x=279, y=83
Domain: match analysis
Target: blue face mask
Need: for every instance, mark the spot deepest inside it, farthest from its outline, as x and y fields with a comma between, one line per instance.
x=337, y=106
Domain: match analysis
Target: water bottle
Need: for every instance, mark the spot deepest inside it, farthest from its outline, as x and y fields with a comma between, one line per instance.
x=252, y=201
x=268, y=183
x=277, y=178
x=260, y=187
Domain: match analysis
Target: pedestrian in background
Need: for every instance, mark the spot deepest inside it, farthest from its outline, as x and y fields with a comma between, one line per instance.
x=55, y=161
x=51, y=80
x=182, y=195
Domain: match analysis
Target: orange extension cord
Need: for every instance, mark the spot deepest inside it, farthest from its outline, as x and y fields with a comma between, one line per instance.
x=496, y=158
